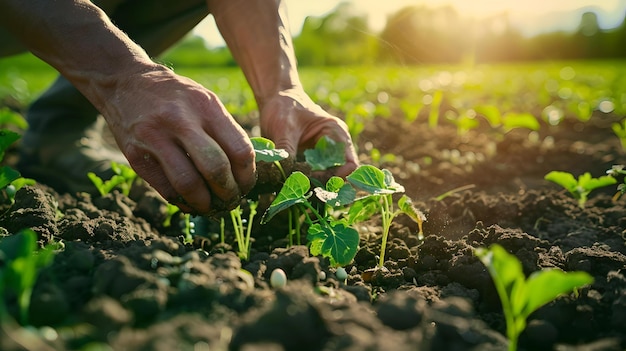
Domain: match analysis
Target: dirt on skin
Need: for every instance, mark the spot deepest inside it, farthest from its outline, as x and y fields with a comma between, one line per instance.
x=126, y=282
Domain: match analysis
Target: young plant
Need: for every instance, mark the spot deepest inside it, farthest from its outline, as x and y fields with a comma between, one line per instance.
x=580, y=188
x=620, y=130
x=380, y=186
x=21, y=265
x=123, y=178
x=615, y=172
x=243, y=231
x=520, y=296
x=329, y=237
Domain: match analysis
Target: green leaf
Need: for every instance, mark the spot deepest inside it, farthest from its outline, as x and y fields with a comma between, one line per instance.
x=337, y=193
x=545, y=286
x=293, y=192
x=520, y=120
x=491, y=113
x=334, y=183
x=265, y=150
x=406, y=206
x=338, y=242
x=370, y=179
x=8, y=175
x=503, y=267
x=363, y=209
x=564, y=179
x=8, y=117
x=7, y=138
x=326, y=154
x=589, y=183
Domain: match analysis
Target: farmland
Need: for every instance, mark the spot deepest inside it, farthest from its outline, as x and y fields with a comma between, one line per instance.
x=470, y=144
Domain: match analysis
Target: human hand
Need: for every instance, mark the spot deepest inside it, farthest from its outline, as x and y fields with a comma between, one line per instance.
x=295, y=123
x=180, y=139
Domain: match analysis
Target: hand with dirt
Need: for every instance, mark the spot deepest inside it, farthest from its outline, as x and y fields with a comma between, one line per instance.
x=295, y=124
x=175, y=133
x=180, y=139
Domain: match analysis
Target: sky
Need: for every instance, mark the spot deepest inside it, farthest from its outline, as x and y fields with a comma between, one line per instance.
x=529, y=16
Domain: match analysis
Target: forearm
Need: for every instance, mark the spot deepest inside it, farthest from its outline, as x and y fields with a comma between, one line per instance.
x=257, y=34
x=79, y=40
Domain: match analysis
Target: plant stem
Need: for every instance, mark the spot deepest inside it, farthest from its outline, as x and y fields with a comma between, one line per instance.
x=252, y=207
x=235, y=216
x=222, y=227
x=187, y=230
x=386, y=218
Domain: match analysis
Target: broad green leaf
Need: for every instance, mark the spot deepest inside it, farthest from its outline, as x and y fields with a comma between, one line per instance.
x=370, y=179
x=293, y=192
x=564, y=179
x=7, y=175
x=326, y=154
x=7, y=138
x=545, y=286
x=363, y=209
x=265, y=150
x=589, y=183
x=338, y=242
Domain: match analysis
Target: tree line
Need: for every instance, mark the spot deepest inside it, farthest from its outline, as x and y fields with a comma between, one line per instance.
x=419, y=34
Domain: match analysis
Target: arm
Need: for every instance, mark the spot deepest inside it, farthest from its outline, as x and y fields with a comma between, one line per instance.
x=175, y=134
x=257, y=34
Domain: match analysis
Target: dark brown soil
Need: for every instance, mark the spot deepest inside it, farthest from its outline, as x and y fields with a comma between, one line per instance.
x=125, y=282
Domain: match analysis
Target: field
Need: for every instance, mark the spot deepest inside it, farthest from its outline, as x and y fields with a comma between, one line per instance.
x=470, y=145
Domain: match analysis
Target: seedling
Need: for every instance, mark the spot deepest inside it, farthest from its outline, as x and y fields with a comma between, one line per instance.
x=243, y=231
x=381, y=186
x=520, y=296
x=123, y=178
x=620, y=130
x=21, y=265
x=615, y=172
x=580, y=188
x=327, y=236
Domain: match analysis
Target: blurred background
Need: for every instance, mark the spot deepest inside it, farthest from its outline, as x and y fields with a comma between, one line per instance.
x=446, y=31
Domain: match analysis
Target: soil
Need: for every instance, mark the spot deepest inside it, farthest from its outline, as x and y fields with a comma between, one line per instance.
x=126, y=282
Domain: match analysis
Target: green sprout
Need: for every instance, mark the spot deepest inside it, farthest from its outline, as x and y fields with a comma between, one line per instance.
x=21, y=265
x=615, y=172
x=380, y=186
x=243, y=231
x=123, y=178
x=327, y=236
x=520, y=296
x=580, y=188
x=620, y=130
